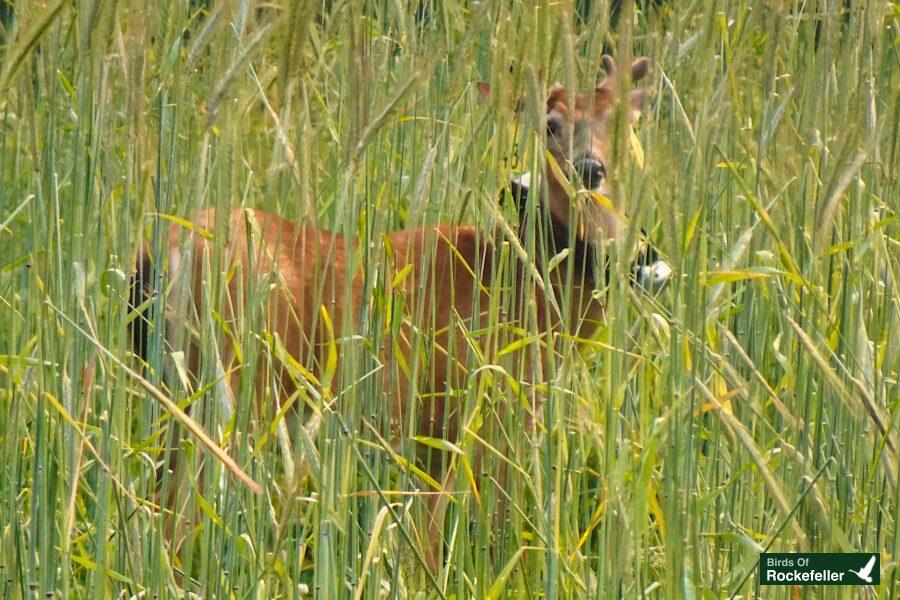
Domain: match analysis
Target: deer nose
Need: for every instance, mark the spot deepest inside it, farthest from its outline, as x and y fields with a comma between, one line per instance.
x=591, y=171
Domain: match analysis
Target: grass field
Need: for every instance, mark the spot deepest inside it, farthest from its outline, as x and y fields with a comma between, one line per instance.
x=753, y=405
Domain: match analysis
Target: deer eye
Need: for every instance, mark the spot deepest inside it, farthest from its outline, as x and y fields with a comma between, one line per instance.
x=554, y=127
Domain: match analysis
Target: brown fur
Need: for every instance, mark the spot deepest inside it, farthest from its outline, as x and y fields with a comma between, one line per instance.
x=450, y=269
x=308, y=269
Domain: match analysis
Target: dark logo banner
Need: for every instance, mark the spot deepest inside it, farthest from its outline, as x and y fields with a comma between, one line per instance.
x=826, y=568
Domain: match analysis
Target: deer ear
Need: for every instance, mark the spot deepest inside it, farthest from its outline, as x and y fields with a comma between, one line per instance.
x=609, y=65
x=639, y=68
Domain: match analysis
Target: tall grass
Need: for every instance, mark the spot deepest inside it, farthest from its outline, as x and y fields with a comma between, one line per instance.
x=743, y=409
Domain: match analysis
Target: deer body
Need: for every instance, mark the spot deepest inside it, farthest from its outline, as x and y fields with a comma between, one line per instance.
x=307, y=269
x=443, y=274
x=449, y=270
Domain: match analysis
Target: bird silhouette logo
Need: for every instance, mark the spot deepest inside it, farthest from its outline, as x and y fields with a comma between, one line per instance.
x=866, y=572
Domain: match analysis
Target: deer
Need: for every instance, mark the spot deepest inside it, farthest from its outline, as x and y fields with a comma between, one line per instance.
x=316, y=288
